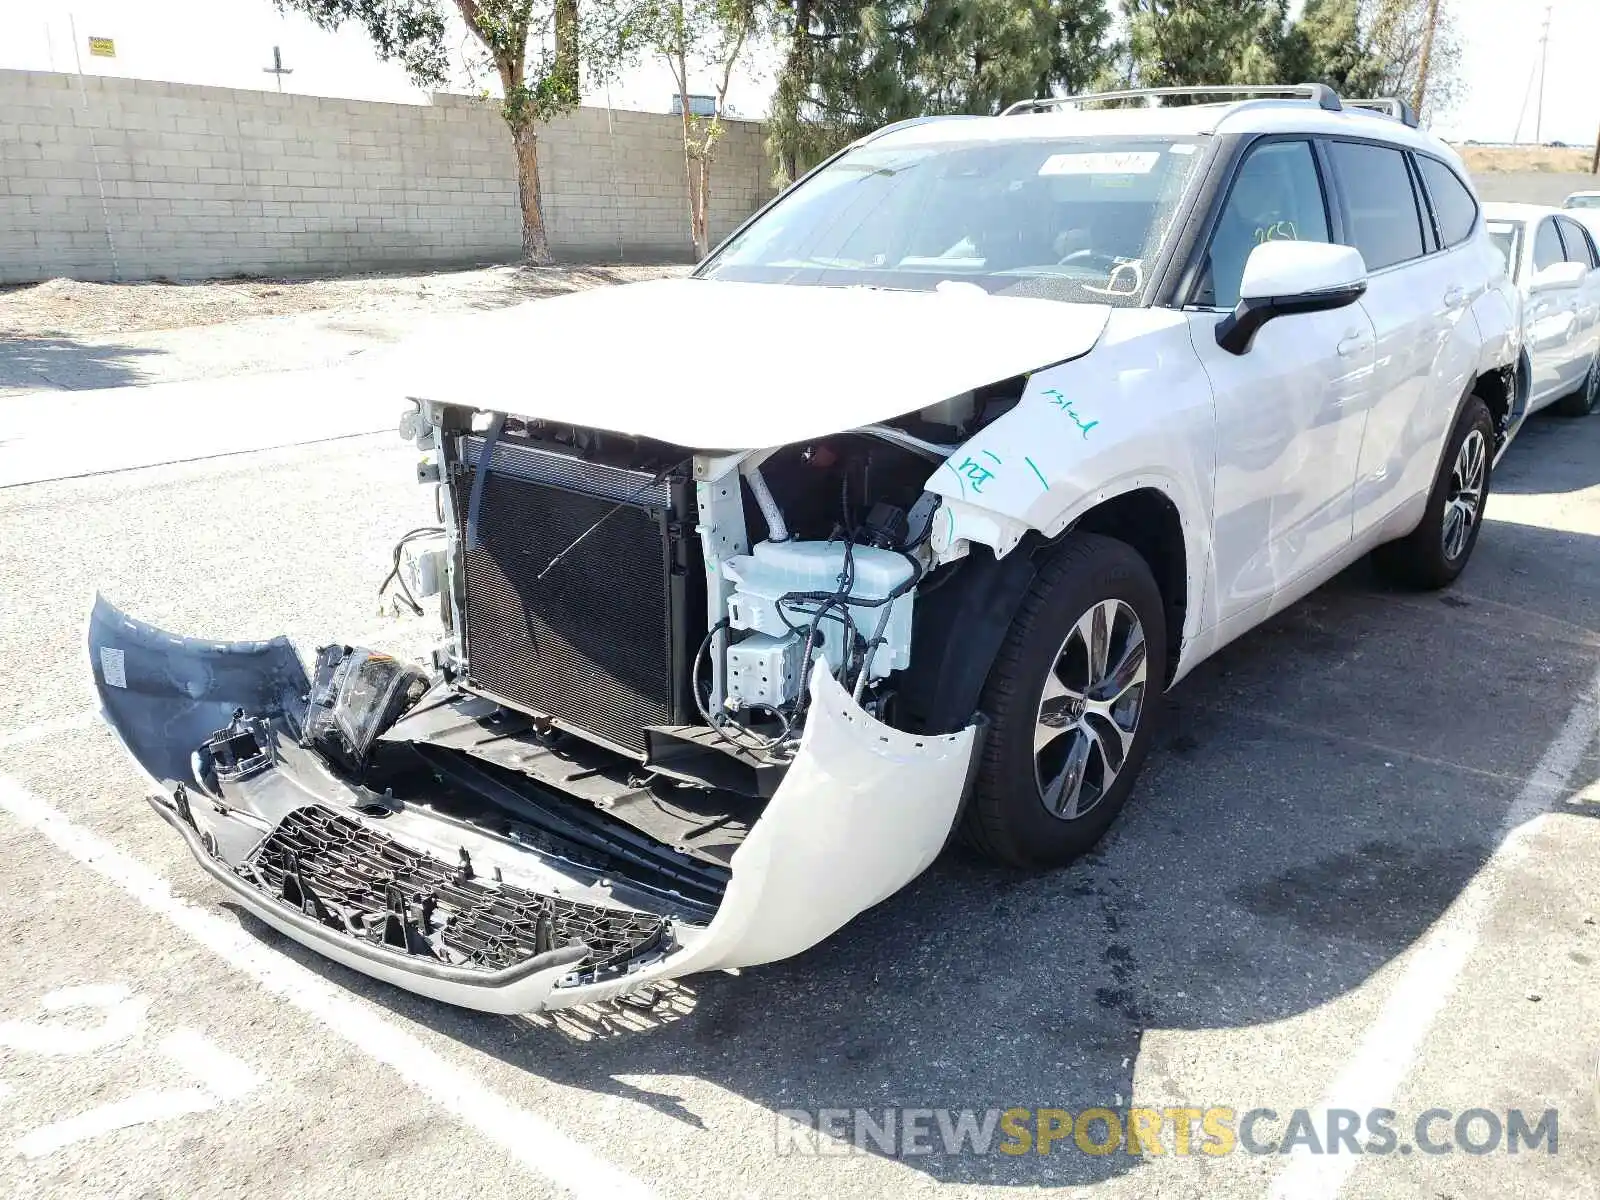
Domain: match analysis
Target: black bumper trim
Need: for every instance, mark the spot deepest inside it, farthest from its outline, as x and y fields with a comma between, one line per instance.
x=315, y=934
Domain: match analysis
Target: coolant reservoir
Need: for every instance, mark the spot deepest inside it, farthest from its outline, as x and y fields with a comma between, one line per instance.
x=773, y=569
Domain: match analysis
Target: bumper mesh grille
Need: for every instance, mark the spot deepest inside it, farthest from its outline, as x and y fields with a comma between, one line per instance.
x=349, y=875
x=590, y=644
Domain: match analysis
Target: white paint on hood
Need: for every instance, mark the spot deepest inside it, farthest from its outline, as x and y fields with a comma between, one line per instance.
x=737, y=366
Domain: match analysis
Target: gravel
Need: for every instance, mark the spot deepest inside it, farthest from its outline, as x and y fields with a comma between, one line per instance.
x=67, y=308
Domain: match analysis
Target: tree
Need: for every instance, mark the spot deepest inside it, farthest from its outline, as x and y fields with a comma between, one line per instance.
x=1326, y=45
x=1376, y=48
x=535, y=46
x=710, y=34
x=852, y=66
x=1396, y=32
x=1181, y=42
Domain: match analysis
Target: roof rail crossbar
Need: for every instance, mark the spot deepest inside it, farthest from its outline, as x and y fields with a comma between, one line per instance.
x=1389, y=106
x=1324, y=96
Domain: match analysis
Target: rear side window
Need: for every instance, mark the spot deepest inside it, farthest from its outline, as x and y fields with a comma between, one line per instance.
x=1453, y=204
x=1580, y=249
x=1547, y=248
x=1384, y=224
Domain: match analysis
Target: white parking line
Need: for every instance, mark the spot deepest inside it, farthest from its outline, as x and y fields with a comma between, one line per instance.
x=533, y=1142
x=1373, y=1076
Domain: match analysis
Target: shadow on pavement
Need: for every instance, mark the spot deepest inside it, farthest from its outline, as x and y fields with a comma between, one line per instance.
x=1549, y=446
x=1321, y=793
x=69, y=364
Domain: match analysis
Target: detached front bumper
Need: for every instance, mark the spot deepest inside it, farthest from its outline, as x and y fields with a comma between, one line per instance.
x=458, y=912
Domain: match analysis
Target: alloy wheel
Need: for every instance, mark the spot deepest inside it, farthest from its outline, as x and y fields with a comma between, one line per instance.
x=1466, y=494
x=1094, y=695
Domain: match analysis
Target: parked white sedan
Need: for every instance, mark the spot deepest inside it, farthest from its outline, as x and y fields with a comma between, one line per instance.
x=1553, y=260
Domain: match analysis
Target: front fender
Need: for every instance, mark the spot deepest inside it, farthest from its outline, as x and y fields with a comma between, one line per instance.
x=1137, y=412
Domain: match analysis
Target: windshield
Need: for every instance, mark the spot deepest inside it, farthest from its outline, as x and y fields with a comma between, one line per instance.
x=1590, y=201
x=1079, y=219
x=1504, y=237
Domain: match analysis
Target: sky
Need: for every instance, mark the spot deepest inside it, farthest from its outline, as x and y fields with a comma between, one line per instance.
x=229, y=42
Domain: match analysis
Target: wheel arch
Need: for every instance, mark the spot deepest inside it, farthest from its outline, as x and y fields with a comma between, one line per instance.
x=961, y=624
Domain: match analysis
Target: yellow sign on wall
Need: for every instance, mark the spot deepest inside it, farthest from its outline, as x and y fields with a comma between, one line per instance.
x=103, y=47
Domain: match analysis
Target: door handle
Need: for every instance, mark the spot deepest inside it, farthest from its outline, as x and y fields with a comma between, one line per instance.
x=1353, y=343
x=1453, y=297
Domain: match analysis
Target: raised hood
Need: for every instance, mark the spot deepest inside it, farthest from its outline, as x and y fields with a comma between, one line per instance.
x=738, y=366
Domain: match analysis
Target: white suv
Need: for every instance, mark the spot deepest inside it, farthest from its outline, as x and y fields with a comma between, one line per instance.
x=895, y=518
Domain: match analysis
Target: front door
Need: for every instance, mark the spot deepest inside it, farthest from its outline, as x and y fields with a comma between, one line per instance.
x=1289, y=411
x=1551, y=322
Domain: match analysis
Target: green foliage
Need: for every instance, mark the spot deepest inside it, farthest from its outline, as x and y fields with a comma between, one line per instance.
x=534, y=46
x=408, y=32
x=1373, y=48
x=1326, y=46
x=855, y=65
x=1176, y=42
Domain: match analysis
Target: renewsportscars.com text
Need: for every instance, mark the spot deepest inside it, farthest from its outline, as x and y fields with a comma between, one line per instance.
x=1212, y=1132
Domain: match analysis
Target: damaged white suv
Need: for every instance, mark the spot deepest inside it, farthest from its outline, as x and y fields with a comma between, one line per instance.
x=894, y=519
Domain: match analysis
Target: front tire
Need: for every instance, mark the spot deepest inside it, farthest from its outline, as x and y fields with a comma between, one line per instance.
x=1437, y=550
x=1071, y=701
x=1587, y=398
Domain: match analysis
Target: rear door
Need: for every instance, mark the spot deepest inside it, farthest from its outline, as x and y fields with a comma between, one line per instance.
x=1289, y=411
x=1420, y=288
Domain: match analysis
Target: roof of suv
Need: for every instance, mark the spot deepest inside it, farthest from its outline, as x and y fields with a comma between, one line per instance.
x=1191, y=120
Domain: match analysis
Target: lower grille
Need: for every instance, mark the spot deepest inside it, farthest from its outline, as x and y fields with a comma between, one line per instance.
x=370, y=886
x=599, y=644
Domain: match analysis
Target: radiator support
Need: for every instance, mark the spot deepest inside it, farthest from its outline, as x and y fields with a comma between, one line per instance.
x=602, y=644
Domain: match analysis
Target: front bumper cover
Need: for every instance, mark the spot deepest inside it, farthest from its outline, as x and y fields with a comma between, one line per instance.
x=862, y=810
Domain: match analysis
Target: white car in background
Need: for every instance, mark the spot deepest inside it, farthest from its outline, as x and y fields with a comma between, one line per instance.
x=1583, y=200
x=1553, y=259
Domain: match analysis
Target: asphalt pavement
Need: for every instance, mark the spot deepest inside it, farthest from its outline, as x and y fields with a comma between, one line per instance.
x=1357, y=874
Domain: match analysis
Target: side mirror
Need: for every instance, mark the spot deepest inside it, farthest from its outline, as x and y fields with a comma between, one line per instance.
x=1558, y=275
x=1286, y=278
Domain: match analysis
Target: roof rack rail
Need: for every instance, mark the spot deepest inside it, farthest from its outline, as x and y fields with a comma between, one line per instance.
x=1389, y=106
x=1325, y=96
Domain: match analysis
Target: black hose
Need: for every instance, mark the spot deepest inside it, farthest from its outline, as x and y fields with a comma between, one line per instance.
x=761, y=745
x=394, y=567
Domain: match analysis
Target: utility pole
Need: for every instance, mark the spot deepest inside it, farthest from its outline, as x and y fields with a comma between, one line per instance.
x=1544, y=53
x=1594, y=163
x=1420, y=91
x=277, y=68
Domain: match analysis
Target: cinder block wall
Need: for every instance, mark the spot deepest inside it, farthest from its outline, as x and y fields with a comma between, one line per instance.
x=104, y=178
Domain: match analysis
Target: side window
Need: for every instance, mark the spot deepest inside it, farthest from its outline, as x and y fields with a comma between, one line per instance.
x=1547, y=248
x=1580, y=249
x=1276, y=197
x=1453, y=204
x=1385, y=224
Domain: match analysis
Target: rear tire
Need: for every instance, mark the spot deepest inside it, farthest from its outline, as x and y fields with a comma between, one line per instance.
x=1071, y=701
x=1434, y=553
x=1587, y=398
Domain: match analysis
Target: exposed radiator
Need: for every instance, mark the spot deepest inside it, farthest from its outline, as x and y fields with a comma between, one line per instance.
x=601, y=643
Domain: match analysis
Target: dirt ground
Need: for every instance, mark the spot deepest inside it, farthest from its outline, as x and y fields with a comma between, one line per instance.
x=1525, y=158
x=65, y=308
